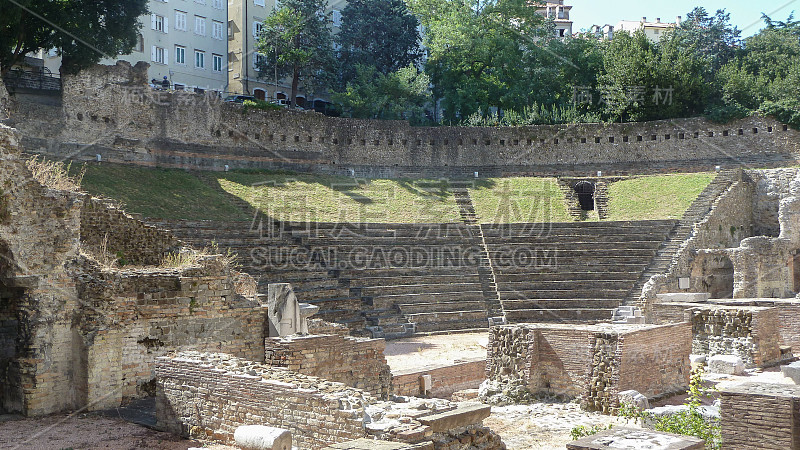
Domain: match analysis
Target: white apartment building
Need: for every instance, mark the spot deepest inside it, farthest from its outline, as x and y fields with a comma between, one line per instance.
x=559, y=12
x=653, y=30
x=183, y=40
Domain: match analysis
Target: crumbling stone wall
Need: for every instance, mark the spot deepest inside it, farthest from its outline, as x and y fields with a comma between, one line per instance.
x=139, y=315
x=111, y=108
x=209, y=395
x=445, y=379
x=127, y=238
x=38, y=235
x=77, y=335
x=592, y=362
x=356, y=362
x=748, y=332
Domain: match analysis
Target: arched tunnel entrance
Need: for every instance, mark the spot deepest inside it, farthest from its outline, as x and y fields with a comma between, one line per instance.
x=585, y=192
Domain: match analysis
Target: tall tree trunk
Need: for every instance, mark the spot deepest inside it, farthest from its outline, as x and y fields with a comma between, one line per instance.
x=295, y=84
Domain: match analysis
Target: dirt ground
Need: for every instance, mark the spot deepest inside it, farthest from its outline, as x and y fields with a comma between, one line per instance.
x=86, y=431
x=424, y=351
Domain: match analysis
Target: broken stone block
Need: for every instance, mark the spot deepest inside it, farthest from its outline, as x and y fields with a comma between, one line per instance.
x=792, y=371
x=260, y=437
x=726, y=364
x=634, y=398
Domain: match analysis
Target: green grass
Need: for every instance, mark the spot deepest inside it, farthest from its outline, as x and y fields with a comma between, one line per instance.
x=340, y=199
x=159, y=193
x=519, y=200
x=177, y=194
x=655, y=197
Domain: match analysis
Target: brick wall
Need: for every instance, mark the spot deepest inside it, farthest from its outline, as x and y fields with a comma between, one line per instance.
x=356, y=362
x=141, y=315
x=124, y=236
x=444, y=380
x=593, y=362
x=760, y=416
x=208, y=396
x=182, y=129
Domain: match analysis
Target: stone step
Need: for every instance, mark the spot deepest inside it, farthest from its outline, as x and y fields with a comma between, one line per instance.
x=562, y=293
x=561, y=303
x=387, y=301
x=375, y=291
x=467, y=305
x=564, y=267
x=583, y=315
x=565, y=276
x=410, y=280
x=575, y=284
x=452, y=325
x=448, y=316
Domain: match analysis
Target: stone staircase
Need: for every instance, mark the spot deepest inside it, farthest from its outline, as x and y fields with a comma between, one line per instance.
x=389, y=279
x=682, y=230
x=570, y=272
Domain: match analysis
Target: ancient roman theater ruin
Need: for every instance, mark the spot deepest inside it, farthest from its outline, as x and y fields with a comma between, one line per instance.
x=291, y=346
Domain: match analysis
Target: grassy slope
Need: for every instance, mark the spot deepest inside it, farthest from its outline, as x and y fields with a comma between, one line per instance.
x=319, y=198
x=655, y=197
x=516, y=200
x=161, y=193
x=176, y=194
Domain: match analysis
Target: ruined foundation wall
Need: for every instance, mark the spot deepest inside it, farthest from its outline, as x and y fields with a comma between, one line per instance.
x=141, y=315
x=760, y=415
x=356, y=362
x=750, y=333
x=444, y=380
x=111, y=108
x=208, y=396
x=594, y=363
x=125, y=237
x=38, y=235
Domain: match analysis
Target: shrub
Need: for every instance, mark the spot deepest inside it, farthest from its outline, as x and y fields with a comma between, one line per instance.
x=55, y=174
x=581, y=431
x=689, y=422
x=261, y=105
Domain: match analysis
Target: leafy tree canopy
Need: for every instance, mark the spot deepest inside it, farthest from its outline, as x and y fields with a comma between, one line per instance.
x=379, y=33
x=296, y=41
x=83, y=31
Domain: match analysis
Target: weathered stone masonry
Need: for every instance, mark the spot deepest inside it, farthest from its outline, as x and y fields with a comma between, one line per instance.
x=111, y=108
x=356, y=362
x=76, y=335
x=592, y=362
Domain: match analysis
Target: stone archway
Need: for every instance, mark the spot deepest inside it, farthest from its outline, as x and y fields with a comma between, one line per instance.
x=713, y=273
x=585, y=192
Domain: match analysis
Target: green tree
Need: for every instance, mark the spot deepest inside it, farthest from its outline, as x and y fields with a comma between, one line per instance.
x=642, y=80
x=712, y=38
x=379, y=33
x=475, y=52
x=296, y=41
x=766, y=74
x=374, y=95
x=83, y=31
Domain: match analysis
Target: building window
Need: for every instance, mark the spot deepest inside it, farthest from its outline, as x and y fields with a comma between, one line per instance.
x=180, y=20
x=656, y=31
x=200, y=25
x=199, y=59
x=218, y=4
x=159, y=23
x=261, y=3
x=258, y=61
x=157, y=55
x=139, y=43
x=216, y=30
x=217, y=62
x=337, y=18
x=180, y=54
x=257, y=26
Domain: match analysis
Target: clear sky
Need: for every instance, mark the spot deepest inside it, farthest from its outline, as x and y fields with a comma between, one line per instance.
x=744, y=14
